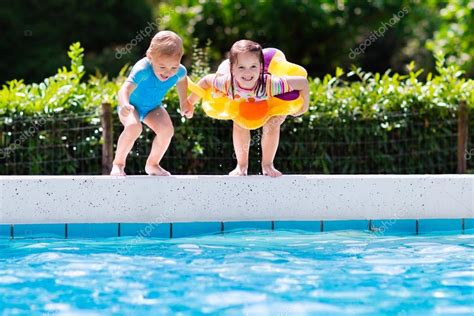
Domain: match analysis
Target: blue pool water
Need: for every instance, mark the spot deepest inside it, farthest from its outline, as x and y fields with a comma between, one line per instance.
x=240, y=273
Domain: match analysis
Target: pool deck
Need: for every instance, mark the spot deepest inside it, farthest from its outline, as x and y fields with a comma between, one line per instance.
x=146, y=199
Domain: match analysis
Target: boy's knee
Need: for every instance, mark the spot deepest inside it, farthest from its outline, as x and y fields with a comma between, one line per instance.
x=169, y=132
x=134, y=129
x=165, y=131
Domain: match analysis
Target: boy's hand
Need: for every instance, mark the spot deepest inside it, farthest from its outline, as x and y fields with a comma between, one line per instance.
x=187, y=110
x=126, y=109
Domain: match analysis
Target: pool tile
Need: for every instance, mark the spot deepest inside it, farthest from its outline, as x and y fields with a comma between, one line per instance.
x=388, y=226
x=193, y=229
x=313, y=226
x=228, y=226
x=157, y=230
x=39, y=230
x=468, y=223
x=4, y=231
x=345, y=225
x=92, y=230
x=438, y=225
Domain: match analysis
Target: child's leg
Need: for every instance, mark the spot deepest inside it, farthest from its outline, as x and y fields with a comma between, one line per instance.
x=270, y=140
x=131, y=131
x=241, y=137
x=160, y=122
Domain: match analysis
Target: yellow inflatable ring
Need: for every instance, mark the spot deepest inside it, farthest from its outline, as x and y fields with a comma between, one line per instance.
x=253, y=115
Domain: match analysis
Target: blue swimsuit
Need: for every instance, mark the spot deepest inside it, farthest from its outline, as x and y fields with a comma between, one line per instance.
x=150, y=90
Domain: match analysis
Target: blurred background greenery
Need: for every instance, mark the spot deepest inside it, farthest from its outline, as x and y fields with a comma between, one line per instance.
x=393, y=108
x=319, y=34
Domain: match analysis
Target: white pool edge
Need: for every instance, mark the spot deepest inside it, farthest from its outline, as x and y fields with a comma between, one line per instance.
x=145, y=199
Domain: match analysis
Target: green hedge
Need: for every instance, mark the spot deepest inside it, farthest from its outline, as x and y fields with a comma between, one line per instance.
x=328, y=31
x=357, y=123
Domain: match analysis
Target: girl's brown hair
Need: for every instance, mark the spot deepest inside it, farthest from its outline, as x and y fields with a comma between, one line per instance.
x=244, y=46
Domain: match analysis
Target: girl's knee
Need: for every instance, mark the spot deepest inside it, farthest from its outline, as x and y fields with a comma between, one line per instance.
x=278, y=120
x=274, y=122
x=240, y=130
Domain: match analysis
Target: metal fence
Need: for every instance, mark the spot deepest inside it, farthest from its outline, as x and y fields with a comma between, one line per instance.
x=80, y=144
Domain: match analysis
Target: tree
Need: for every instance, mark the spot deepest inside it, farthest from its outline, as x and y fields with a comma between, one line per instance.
x=36, y=34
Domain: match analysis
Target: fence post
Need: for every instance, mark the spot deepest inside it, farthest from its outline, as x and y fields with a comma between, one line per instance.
x=462, y=136
x=107, y=138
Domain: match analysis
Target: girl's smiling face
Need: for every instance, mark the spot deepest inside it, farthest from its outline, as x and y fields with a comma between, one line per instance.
x=165, y=66
x=246, y=70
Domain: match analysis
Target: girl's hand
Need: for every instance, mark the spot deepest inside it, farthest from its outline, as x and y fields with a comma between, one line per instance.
x=126, y=109
x=304, y=108
x=300, y=112
x=205, y=83
x=301, y=84
x=193, y=99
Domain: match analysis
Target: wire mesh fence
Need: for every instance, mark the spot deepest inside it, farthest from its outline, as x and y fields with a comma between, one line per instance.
x=58, y=144
x=402, y=143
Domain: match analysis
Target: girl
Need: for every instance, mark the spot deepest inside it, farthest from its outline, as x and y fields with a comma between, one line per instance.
x=241, y=77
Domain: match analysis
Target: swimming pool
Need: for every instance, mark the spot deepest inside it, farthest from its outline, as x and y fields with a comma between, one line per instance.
x=317, y=245
x=258, y=272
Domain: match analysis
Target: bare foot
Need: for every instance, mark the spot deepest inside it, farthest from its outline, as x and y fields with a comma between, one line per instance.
x=269, y=170
x=238, y=171
x=118, y=170
x=156, y=170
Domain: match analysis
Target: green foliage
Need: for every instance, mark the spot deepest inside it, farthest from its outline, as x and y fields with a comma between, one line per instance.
x=36, y=35
x=359, y=122
x=200, y=60
x=320, y=34
x=386, y=123
x=53, y=126
x=63, y=92
x=454, y=36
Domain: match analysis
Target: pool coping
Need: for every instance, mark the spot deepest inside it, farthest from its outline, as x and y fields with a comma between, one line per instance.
x=181, y=199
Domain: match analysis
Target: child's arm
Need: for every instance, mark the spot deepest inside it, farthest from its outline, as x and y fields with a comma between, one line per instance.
x=124, y=97
x=300, y=84
x=186, y=107
x=205, y=83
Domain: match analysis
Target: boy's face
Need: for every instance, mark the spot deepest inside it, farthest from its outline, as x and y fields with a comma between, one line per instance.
x=247, y=70
x=165, y=66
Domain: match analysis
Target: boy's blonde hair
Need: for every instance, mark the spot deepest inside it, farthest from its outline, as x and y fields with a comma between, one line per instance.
x=165, y=43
